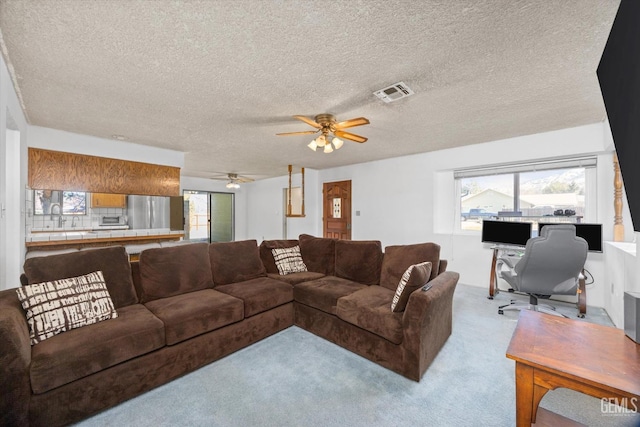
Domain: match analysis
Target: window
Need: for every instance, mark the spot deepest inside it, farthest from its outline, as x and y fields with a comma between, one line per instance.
x=552, y=191
x=52, y=202
x=209, y=217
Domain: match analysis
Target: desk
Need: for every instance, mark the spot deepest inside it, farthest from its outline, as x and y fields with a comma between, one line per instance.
x=493, y=278
x=552, y=352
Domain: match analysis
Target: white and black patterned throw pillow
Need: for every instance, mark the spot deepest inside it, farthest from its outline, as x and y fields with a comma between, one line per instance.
x=288, y=260
x=65, y=304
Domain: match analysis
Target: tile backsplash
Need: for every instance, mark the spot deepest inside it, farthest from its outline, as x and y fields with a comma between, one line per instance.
x=89, y=221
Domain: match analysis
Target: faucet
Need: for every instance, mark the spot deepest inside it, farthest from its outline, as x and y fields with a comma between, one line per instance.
x=56, y=210
x=73, y=222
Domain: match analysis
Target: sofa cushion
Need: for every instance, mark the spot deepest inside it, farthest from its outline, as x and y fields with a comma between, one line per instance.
x=323, y=293
x=84, y=351
x=61, y=305
x=267, y=256
x=295, y=278
x=233, y=262
x=398, y=258
x=359, y=260
x=195, y=313
x=259, y=294
x=112, y=261
x=368, y=309
x=415, y=277
x=289, y=260
x=166, y=272
x=318, y=253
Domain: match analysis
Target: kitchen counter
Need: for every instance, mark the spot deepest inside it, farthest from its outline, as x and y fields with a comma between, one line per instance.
x=83, y=238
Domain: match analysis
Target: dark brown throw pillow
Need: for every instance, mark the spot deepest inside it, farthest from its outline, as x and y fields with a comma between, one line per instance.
x=413, y=278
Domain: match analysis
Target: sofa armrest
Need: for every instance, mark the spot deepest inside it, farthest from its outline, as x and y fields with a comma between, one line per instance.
x=427, y=322
x=15, y=358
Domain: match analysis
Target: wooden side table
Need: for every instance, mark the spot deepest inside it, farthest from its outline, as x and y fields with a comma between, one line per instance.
x=552, y=352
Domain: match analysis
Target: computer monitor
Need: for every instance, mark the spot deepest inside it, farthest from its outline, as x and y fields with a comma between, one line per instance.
x=506, y=232
x=592, y=233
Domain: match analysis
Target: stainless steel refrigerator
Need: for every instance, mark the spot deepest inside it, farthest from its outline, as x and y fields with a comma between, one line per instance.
x=145, y=212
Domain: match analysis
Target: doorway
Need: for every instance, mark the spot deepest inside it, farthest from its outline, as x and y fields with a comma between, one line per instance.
x=209, y=217
x=336, y=218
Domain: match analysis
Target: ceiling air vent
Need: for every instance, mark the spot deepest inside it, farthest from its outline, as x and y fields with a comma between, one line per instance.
x=394, y=92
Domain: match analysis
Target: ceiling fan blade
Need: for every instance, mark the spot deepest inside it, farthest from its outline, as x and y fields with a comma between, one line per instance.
x=351, y=123
x=308, y=121
x=350, y=136
x=306, y=132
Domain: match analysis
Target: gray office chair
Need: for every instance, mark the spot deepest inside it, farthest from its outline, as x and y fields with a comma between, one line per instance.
x=552, y=264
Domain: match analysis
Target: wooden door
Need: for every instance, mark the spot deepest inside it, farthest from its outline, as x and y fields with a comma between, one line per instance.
x=336, y=218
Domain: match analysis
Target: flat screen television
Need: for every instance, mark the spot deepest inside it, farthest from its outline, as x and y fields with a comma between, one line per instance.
x=506, y=232
x=592, y=233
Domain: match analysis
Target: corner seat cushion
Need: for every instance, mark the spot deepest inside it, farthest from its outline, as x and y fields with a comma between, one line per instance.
x=166, y=272
x=195, y=313
x=318, y=254
x=81, y=352
x=233, y=262
x=259, y=294
x=369, y=309
x=324, y=293
x=112, y=261
x=397, y=259
x=295, y=278
x=267, y=256
x=359, y=260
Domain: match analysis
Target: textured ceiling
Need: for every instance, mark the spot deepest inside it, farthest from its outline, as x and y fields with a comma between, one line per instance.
x=218, y=79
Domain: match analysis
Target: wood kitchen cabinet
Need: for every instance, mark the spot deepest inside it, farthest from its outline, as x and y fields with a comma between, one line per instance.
x=107, y=200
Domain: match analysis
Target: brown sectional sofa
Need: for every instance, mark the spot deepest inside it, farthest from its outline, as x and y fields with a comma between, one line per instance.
x=182, y=307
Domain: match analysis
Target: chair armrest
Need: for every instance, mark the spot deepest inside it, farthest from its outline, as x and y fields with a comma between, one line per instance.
x=427, y=322
x=15, y=358
x=506, y=260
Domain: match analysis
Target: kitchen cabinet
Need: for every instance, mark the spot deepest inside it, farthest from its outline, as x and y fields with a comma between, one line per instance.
x=107, y=200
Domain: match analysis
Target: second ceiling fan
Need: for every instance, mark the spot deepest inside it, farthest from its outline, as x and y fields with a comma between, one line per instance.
x=326, y=124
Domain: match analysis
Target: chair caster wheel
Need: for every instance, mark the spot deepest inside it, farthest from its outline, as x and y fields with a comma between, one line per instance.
x=581, y=316
x=511, y=290
x=489, y=297
x=500, y=311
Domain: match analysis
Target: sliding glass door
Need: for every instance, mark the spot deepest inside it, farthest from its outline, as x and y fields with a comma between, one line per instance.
x=209, y=216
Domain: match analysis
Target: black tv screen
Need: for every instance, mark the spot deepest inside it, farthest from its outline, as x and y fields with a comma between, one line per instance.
x=592, y=233
x=506, y=232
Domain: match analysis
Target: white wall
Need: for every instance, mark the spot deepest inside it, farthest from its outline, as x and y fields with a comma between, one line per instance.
x=13, y=176
x=265, y=208
x=412, y=199
x=57, y=140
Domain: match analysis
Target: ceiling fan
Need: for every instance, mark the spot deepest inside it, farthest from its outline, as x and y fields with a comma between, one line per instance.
x=326, y=124
x=234, y=179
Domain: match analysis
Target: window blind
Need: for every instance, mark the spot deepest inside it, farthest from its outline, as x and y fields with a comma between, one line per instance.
x=575, y=162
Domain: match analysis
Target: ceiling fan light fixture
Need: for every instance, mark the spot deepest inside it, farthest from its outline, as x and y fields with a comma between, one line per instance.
x=233, y=185
x=313, y=145
x=321, y=141
x=337, y=143
x=328, y=148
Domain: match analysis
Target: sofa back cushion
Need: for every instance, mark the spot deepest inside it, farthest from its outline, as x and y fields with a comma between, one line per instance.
x=112, y=261
x=318, y=254
x=398, y=258
x=359, y=260
x=233, y=262
x=266, y=255
x=166, y=272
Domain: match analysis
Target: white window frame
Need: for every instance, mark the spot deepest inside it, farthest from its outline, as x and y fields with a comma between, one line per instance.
x=590, y=164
